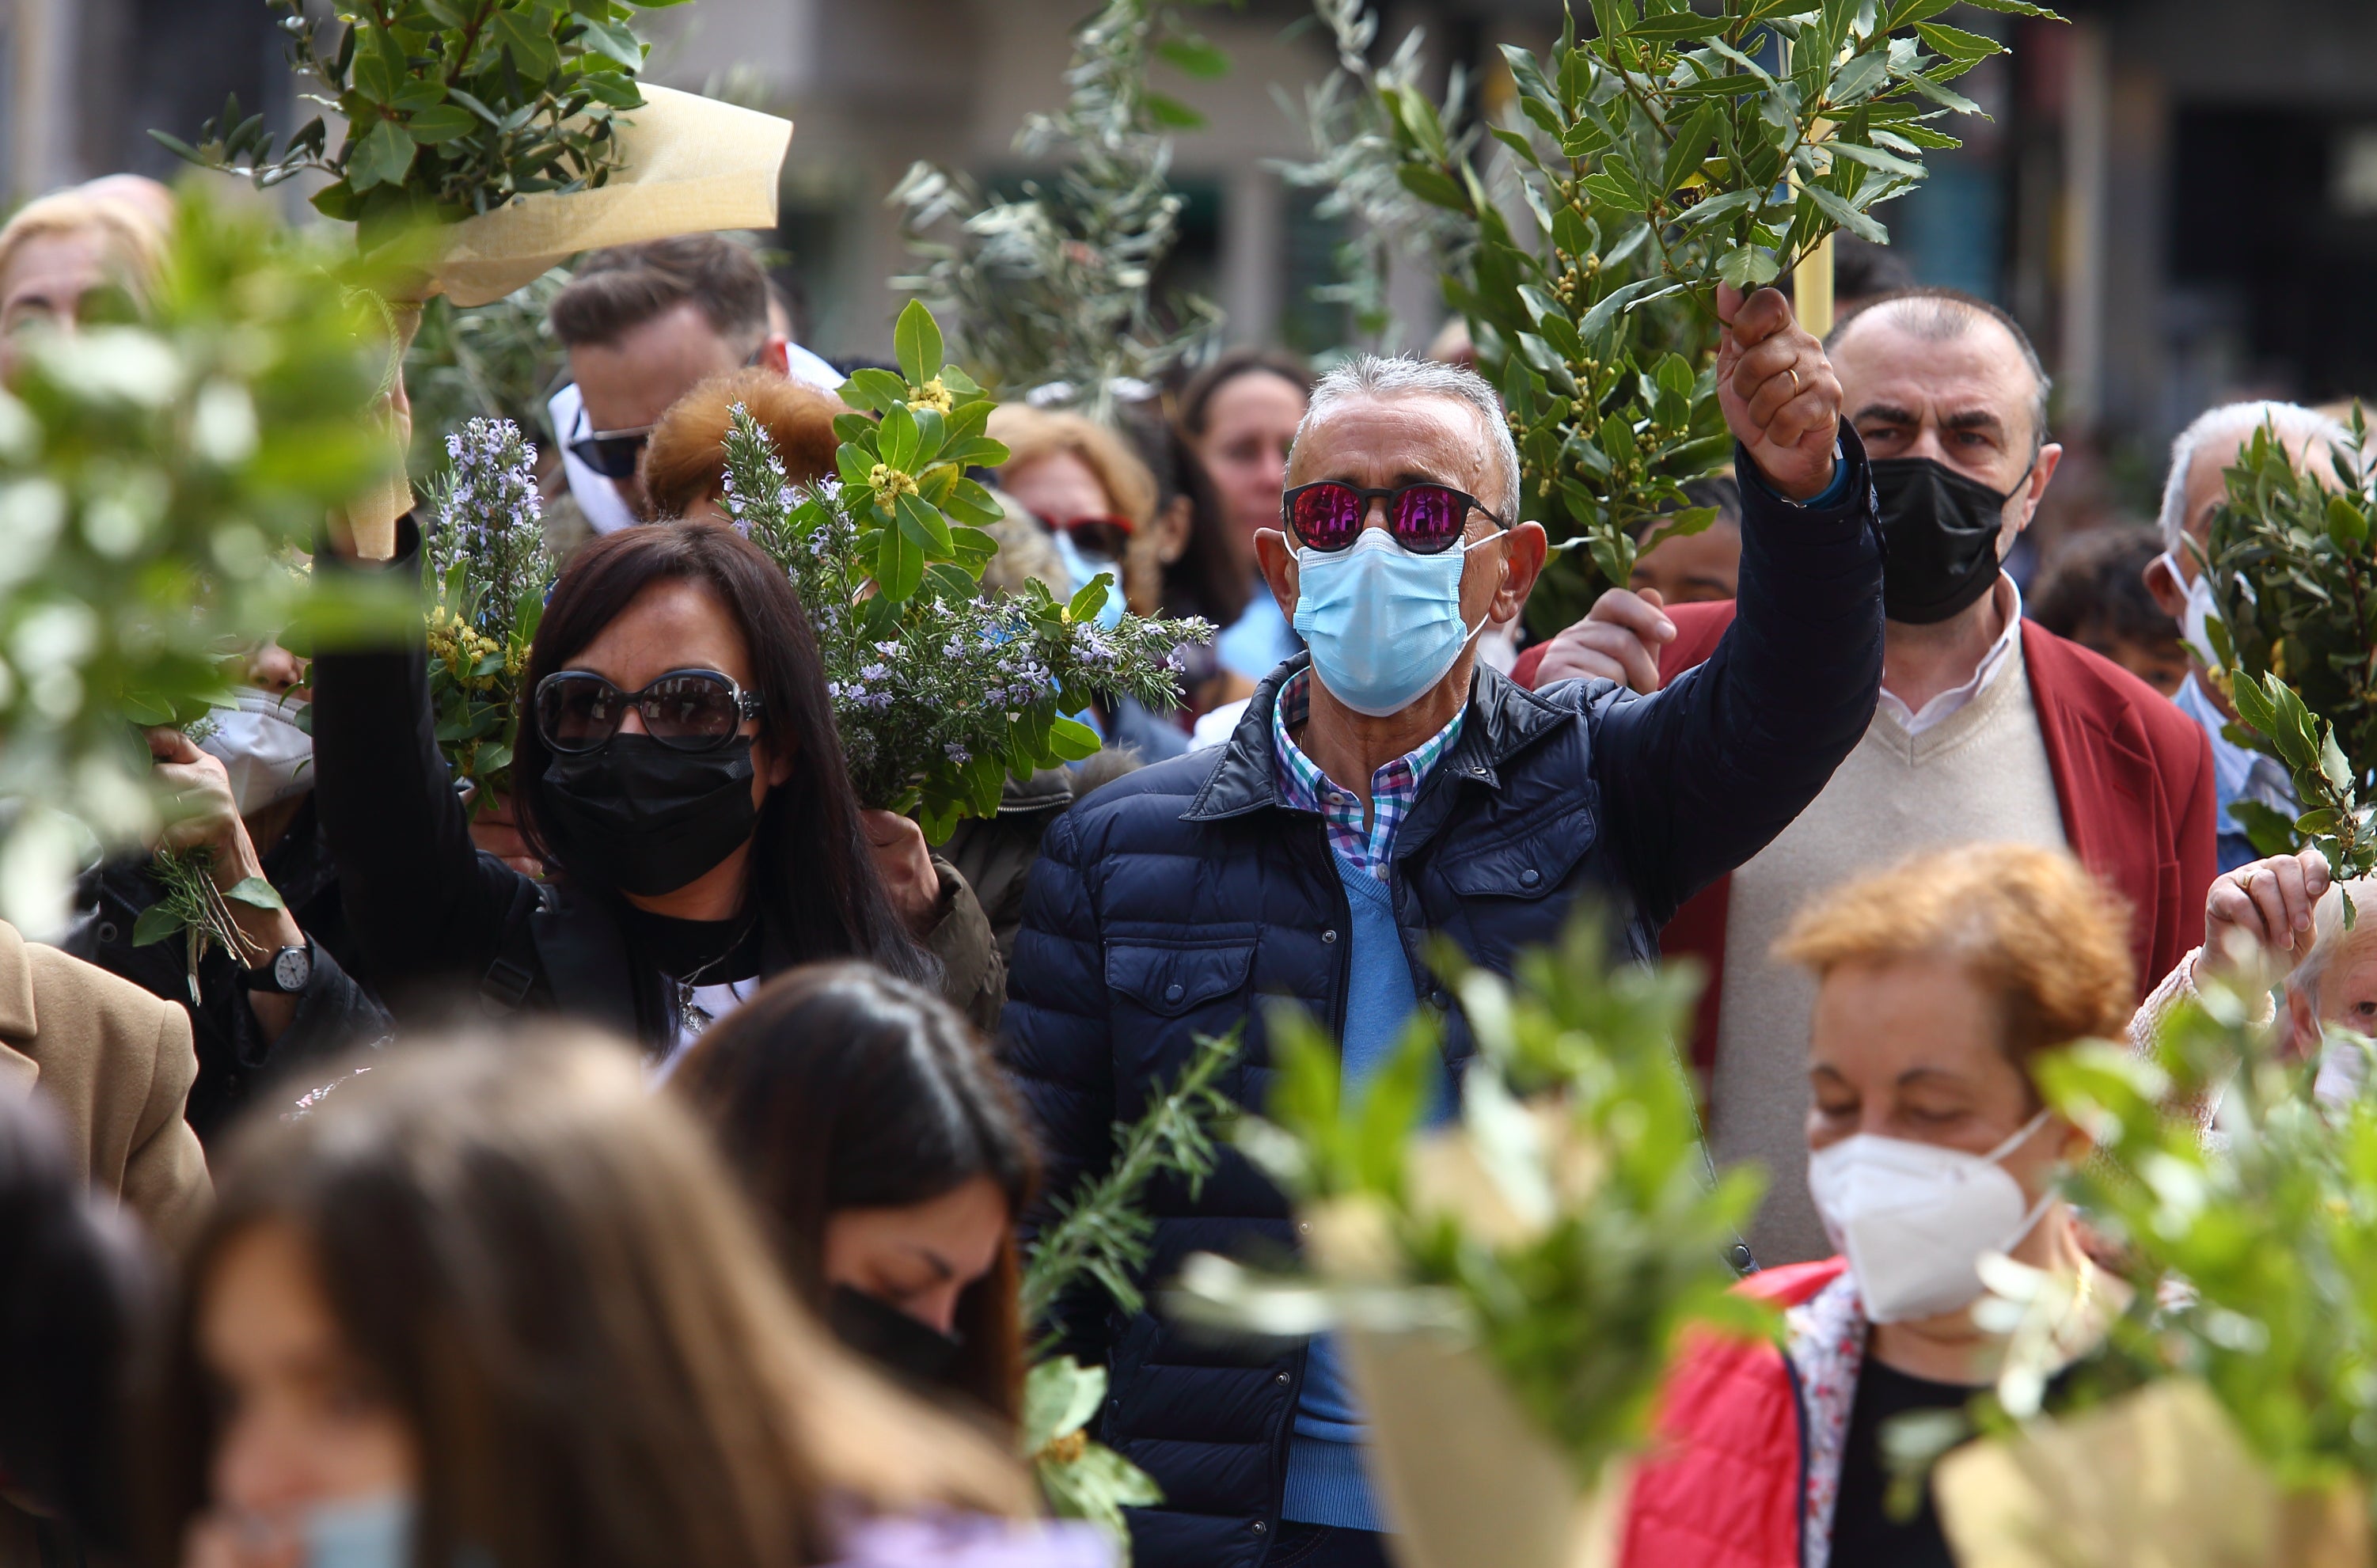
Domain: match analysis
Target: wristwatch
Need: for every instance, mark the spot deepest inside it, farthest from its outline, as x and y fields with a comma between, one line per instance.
x=288, y=971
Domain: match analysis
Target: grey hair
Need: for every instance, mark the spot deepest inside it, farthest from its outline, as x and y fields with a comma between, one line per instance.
x=1941, y=315
x=1368, y=378
x=2330, y=938
x=2233, y=422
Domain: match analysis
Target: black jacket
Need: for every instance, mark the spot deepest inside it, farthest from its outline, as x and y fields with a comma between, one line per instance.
x=1163, y=905
x=437, y=920
x=235, y=1061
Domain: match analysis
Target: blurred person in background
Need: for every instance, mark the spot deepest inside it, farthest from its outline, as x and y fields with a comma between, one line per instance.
x=1938, y=985
x=244, y=793
x=2195, y=487
x=1991, y=729
x=677, y=765
x=1694, y=568
x=60, y=251
x=78, y=1289
x=644, y=324
x=1201, y=570
x=1864, y=272
x=1097, y=501
x=2277, y=926
x=1240, y=414
x=2094, y=591
x=494, y=1302
x=874, y=1133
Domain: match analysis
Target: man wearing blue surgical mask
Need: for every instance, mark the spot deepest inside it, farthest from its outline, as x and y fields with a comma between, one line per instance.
x=1383, y=791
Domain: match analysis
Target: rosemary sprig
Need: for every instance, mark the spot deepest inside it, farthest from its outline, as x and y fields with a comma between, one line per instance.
x=1100, y=1230
x=199, y=912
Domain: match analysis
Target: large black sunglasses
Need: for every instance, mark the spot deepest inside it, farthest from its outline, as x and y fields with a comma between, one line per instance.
x=577, y=711
x=1425, y=517
x=612, y=453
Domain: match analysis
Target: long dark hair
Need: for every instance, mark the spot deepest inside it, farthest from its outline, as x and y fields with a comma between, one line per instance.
x=1205, y=580
x=837, y=1087
x=546, y=1272
x=78, y=1290
x=811, y=871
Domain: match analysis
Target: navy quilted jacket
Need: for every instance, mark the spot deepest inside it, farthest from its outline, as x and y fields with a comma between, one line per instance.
x=1167, y=904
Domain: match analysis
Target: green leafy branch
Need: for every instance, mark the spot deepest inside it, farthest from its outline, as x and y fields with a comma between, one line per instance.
x=158, y=476
x=1654, y=160
x=942, y=691
x=1565, y=1224
x=2288, y=558
x=452, y=108
x=1101, y=1232
x=2254, y=1257
x=1050, y=293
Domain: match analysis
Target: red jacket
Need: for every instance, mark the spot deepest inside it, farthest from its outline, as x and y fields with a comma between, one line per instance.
x=2133, y=772
x=1722, y=1490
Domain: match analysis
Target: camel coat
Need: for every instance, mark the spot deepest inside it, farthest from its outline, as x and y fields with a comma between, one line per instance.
x=117, y=1063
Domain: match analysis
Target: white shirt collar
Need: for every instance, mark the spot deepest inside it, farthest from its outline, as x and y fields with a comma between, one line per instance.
x=1950, y=702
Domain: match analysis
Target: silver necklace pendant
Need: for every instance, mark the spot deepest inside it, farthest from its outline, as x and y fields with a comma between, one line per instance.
x=691, y=1018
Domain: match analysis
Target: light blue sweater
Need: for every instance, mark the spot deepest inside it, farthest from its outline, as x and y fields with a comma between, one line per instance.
x=1325, y=1480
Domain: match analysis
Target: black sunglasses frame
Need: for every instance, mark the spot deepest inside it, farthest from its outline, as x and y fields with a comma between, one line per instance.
x=1391, y=494
x=746, y=706
x=597, y=450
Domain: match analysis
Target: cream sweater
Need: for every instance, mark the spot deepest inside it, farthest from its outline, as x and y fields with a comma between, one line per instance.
x=1979, y=775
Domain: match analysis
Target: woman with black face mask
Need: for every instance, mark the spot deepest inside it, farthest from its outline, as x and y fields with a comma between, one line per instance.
x=871, y=1125
x=678, y=770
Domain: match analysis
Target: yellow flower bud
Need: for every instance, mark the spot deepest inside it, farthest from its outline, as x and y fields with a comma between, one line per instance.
x=890, y=483
x=932, y=395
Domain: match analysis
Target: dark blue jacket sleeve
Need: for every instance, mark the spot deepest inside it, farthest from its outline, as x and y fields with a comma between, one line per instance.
x=1699, y=777
x=1054, y=1026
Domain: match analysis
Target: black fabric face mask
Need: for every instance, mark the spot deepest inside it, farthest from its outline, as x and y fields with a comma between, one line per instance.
x=645, y=818
x=882, y=1332
x=1940, y=531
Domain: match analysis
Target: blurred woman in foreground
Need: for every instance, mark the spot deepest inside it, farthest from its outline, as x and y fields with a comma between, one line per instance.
x=872, y=1127
x=1938, y=983
x=497, y=1305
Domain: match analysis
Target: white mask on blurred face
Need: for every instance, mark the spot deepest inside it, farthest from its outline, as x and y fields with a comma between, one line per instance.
x=1913, y=1219
x=269, y=758
x=2200, y=609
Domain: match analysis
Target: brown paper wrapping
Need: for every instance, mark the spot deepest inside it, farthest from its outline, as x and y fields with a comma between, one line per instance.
x=1466, y=1478
x=2159, y=1478
x=690, y=165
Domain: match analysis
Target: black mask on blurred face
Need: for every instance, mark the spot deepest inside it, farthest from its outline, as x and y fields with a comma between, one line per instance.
x=645, y=818
x=884, y=1333
x=1941, y=530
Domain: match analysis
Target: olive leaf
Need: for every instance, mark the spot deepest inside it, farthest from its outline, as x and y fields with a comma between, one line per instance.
x=453, y=107
x=1662, y=151
x=2289, y=564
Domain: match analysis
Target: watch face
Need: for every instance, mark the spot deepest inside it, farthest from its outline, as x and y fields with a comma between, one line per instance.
x=292, y=967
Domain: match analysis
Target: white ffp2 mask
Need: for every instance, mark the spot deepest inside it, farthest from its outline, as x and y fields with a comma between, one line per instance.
x=1913, y=1219
x=269, y=758
x=2200, y=609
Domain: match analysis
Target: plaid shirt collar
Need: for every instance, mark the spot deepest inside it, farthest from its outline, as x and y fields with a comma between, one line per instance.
x=1303, y=788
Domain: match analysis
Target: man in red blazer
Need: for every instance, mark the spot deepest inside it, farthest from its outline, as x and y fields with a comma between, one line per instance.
x=1989, y=727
